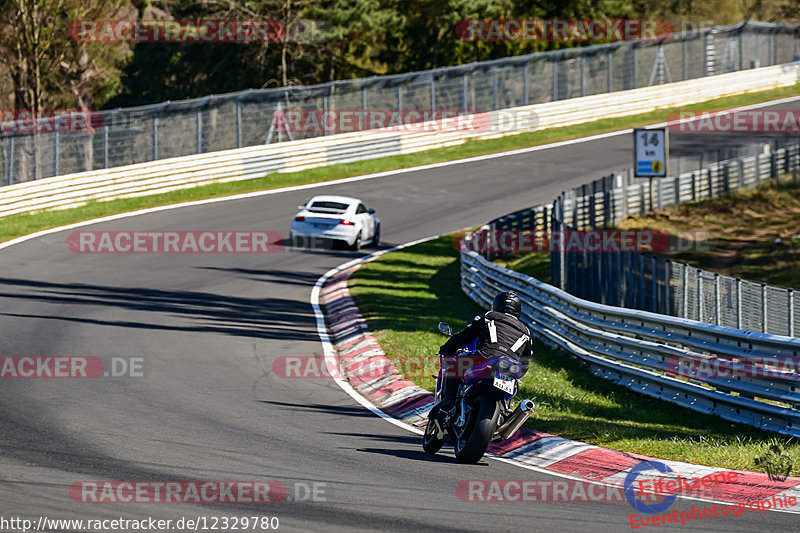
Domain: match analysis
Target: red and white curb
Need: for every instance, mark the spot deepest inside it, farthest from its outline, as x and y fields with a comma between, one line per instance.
x=349, y=347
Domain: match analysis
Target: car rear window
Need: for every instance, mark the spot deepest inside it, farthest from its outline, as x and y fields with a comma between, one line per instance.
x=327, y=207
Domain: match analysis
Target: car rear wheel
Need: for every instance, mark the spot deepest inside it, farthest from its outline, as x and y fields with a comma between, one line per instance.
x=356, y=246
x=376, y=239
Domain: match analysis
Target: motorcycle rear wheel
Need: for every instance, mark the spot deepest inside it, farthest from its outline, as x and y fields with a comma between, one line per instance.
x=478, y=431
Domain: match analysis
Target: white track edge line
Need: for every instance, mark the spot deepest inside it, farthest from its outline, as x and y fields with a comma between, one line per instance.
x=330, y=359
x=353, y=179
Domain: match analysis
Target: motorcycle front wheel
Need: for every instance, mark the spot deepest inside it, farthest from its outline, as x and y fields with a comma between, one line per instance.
x=431, y=444
x=474, y=439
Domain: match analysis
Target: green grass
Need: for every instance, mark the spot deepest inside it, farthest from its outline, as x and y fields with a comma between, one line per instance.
x=536, y=265
x=404, y=295
x=739, y=233
x=17, y=225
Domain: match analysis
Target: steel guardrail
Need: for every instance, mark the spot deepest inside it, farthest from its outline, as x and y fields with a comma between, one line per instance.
x=631, y=347
x=164, y=175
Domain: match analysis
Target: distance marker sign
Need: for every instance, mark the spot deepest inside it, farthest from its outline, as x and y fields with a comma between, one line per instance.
x=651, y=152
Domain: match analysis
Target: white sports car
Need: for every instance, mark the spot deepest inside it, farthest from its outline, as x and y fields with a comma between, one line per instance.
x=338, y=219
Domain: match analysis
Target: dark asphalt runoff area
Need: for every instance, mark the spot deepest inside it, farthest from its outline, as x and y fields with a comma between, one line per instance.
x=207, y=405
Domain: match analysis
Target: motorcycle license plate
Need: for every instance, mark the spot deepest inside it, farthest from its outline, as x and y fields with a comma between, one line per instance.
x=504, y=383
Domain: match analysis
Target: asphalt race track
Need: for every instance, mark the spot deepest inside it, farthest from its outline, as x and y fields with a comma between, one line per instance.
x=209, y=407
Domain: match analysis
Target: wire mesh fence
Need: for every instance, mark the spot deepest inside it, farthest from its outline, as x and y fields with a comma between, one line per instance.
x=646, y=281
x=220, y=122
x=652, y=283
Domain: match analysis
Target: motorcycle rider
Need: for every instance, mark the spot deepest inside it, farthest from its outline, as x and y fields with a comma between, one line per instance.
x=499, y=332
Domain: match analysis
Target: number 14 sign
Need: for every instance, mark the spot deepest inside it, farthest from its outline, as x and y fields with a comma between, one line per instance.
x=651, y=152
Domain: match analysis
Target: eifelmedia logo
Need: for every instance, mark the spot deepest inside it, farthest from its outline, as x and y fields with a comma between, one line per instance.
x=672, y=486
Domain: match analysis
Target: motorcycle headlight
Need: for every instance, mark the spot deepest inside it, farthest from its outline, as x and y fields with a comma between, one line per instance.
x=503, y=364
x=515, y=369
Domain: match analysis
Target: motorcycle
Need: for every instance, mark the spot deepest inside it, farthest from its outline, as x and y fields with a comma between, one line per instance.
x=482, y=413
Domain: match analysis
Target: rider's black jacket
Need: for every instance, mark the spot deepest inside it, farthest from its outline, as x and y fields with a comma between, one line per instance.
x=498, y=334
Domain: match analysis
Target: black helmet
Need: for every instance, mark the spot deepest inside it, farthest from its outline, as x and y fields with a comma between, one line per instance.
x=507, y=302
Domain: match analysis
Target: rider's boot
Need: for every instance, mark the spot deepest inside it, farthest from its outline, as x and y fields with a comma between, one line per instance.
x=442, y=409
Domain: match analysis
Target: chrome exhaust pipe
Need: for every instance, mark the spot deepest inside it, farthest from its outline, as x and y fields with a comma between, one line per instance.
x=517, y=418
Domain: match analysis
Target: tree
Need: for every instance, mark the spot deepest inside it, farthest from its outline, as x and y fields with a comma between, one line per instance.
x=49, y=69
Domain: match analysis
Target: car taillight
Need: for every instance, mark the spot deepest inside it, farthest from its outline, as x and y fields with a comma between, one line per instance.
x=344, y=222
x=299, y=219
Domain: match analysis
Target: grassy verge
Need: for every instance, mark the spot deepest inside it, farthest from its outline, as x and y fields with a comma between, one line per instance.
x=404, y=294
x=739, y=233
x=15, y=226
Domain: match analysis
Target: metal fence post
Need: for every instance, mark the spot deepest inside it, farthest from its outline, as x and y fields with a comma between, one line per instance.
x=758, y=170
x=525, y=89
x=362, y=115
x=685, y=291
x=773, y=171
x=667, y=283
x=642, y=206
x=684, y=63
x=239, y=139
x=738, y=303
x=199, y=123
x=155, y=132
x=739, y=47
x=763, y=308
x=10, y=165
x=628, y=297
x=791, y=312
x=556, y=60
x=433, y=93
x=677, y=184
x=775, y=46
x=55, y=153
x=699, y=295
x=716, y=299
x=710, y=184
x=726, y=181
x=583, y=74
x=562, y=251
x=641, y=281
x=495, y=84
x=464, y=96
x=660, y=192
x=609, y=70
x=105, y=145
x=653, y=285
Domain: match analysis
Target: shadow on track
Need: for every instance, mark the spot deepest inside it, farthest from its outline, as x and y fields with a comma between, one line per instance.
x=263, y=318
